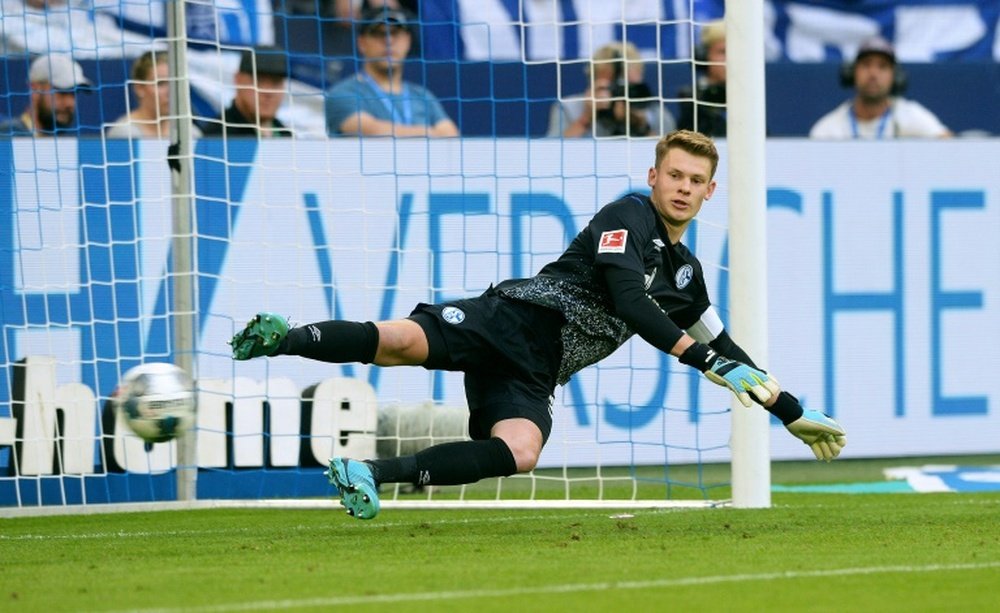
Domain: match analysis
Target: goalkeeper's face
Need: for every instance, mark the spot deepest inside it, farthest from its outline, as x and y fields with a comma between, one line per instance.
x=680, y=185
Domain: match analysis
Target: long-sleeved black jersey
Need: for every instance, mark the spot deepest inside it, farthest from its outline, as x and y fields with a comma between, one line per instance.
x=619, y=276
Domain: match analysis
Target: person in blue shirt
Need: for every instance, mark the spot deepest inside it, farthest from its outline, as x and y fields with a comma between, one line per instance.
x=377, y=101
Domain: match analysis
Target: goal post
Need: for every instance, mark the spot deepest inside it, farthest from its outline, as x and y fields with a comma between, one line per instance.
x=185, y=319
x=748, y=238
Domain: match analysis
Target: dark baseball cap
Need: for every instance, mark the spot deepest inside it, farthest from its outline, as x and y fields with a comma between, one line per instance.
x=264, y=60
x=373, y=17
x=876, y=45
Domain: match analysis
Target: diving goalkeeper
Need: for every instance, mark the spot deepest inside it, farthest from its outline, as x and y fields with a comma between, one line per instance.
x=626, y=273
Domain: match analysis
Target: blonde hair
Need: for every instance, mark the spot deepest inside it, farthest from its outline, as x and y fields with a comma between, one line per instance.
x=695, y=143
x=142, y=67
x=612, y=53
x=711, y=33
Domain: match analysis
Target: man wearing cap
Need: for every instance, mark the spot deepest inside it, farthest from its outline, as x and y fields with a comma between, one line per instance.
x=260, y=90
x=55, y=79
x=877, y=110
x=377, y=101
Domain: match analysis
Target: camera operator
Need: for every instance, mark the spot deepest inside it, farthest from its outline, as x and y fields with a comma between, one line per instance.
x=710, y=54
x=618, y=103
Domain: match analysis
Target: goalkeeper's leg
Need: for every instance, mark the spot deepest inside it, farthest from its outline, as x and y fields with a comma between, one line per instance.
x=454, y=463
x=514, y=446
x=388, y=343
x=510, y=354
x=445, y=464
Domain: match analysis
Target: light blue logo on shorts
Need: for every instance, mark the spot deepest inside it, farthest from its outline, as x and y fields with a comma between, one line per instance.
x=453, y=315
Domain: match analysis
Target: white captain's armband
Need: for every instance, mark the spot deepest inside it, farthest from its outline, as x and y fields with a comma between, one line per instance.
x=708, y=326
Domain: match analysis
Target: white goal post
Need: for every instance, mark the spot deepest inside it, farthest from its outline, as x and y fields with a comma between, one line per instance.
x=748, y=238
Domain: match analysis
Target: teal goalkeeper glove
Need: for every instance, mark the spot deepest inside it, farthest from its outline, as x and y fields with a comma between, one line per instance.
x=823, y=435
x=740, y=378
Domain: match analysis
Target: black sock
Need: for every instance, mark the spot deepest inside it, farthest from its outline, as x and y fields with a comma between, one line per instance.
x=333, y=341
x=448, y=464
x=394, y=470
x=786, y=408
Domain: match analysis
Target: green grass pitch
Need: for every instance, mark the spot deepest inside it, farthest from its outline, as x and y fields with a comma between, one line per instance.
x=810, y=552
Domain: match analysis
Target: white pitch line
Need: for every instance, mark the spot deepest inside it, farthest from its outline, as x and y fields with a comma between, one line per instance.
x=570, y=588
x=341, y=522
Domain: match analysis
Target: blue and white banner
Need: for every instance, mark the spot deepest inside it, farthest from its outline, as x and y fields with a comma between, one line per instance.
x=110, y=28
x=920, y=30
x=523, y=31
x=796, y=30
x=516, y=30
x=884, y=277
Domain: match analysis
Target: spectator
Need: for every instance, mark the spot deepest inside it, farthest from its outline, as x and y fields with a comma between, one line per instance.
x=377, y=101
x=55, y=80
x=709, y=98
x=339, y=16
x=877, y=110
x=260, y=90
x=151, y=87
x=618, y=101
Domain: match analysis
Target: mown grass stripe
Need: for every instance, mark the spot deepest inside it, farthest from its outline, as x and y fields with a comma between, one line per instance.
x=574, y=587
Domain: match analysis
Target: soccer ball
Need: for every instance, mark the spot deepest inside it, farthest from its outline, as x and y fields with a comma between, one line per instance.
x=156, y=400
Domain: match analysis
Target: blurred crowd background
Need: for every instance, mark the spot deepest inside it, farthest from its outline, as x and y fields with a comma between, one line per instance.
x=498, y=67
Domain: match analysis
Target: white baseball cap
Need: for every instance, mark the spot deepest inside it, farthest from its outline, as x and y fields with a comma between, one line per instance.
x=59, y=70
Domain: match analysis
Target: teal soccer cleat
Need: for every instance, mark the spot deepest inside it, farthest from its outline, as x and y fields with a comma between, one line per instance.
x=354, y=481
x=261, y=336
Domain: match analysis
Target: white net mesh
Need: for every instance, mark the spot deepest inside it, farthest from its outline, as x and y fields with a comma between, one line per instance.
x=320, y=227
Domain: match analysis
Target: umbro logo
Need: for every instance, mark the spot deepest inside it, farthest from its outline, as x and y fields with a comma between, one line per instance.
x=649, y=278
x=316, y=334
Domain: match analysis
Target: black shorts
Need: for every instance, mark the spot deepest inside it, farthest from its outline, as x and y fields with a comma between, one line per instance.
x=509, y=351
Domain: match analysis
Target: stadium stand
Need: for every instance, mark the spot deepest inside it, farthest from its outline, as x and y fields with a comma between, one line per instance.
x=516, y=98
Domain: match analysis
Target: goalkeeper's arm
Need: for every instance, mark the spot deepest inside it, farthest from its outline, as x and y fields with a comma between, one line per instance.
x=649, y=321
x=722, y=361
x=820, y=432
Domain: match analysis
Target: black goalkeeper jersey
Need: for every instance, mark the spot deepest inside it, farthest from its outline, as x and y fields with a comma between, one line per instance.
x=626, y=234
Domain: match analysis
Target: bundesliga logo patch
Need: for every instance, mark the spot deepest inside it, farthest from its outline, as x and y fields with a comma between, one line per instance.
x=613, y=241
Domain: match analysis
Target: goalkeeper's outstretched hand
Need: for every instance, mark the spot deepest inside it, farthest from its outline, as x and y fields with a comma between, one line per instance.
x=743, y=380
x=823, y=435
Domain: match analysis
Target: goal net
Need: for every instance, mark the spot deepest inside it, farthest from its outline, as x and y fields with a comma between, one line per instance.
x=322, y=226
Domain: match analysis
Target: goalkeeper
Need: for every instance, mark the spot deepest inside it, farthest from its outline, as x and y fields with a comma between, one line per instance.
x=626, y=273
